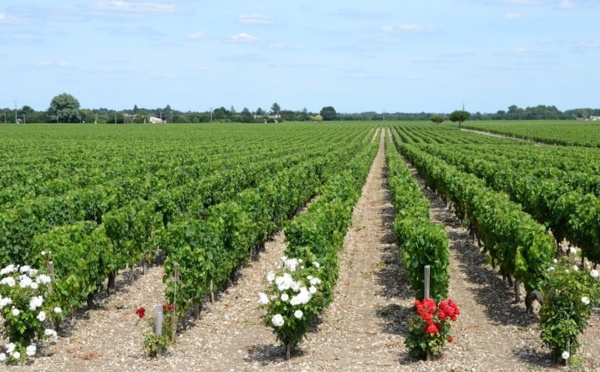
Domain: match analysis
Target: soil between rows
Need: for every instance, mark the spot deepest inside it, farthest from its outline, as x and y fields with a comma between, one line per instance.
x=362, y=330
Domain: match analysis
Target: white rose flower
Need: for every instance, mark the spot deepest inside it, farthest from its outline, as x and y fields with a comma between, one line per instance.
x=51, y=332
x=298, y=314
x=283, y=258
x=4, y=301
x=263, y=299
x=278, y=320
x=16, y=355
x=555, y=260
x=57, y=310
x=10, y=348
x=594, y=273
x=31, y=349
x=572, y=250
x=43, y=253
x=316, y=264
x=2, y=357
x=312, y=290
x=32, y=272
x=35, y=302
x=291, y=264
x=551, y=268
x=295, y=286
x=565, y=355
x=43, y=279
x=8, y=269
x=585, y=300
x=34, y=285
x=10, y=281
x=25, y=281
x=315, y=281
x=15, y=311
x=567, y=271
x=41, y=316
x=285, y=297
x=271, y=276
x=575, y=267
x=25, y=269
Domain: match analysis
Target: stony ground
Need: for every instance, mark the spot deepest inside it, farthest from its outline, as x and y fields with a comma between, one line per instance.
x=363, y=329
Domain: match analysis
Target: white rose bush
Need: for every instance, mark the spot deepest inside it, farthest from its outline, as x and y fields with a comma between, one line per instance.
x=569, y=295
x=25, y=311
x=293, y=299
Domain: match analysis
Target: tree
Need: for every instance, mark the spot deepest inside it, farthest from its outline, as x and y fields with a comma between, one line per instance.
x=318, y=118
x=260, y=112
x=328, y=113
x=246, y=116
x=275, y=109
x=460, y=116
x=438, y=119
x=64, y=108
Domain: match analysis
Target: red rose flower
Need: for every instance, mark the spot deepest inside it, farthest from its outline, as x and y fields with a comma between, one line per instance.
x=140, y=312
x=450, y=339
x=168, y=307
x=431, y=329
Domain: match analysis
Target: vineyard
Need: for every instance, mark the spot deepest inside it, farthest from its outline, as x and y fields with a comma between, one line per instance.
x=554, y=132
x=192, y=220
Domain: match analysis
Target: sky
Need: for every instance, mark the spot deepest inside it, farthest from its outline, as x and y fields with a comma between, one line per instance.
x=384, y=56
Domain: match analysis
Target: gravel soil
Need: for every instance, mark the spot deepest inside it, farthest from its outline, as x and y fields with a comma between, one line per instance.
x=362, y=330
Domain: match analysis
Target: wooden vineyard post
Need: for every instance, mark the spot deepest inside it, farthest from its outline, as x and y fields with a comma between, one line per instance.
x=52, y=276
x=212, y=295
x=159, y=323
x=50, y=289
x=517, y=291
x=427, y=276
x=196, y=311
x=174, y=318
x=428, y=355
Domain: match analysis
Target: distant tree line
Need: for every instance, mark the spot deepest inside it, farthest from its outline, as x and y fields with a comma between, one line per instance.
x=64, y=108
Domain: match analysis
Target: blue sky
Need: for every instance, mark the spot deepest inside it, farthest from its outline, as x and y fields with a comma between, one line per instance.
x=392, y=56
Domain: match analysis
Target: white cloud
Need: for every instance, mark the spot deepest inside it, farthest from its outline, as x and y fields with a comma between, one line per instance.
x=62, y=64
x=408, y=28
x=567, y=4
x=521, y=2
x=134, y=8
x=243, y=38
x=256, y=19
x=195, y=35
x=513, y=15
x=589, y=43
x=359, y=14
x=11, y=20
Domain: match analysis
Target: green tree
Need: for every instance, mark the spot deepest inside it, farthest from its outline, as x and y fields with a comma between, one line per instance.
x=64, y=108
x=438, y=119
x=246, y=116
x=275, y=109
x=328, y=113
x=460, y=116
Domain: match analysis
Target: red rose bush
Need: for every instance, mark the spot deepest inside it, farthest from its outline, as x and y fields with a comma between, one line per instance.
x=430, y=328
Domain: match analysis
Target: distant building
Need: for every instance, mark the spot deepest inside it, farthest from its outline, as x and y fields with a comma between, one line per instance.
x=276, y=118
x=594, y=118
x=155, y=120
